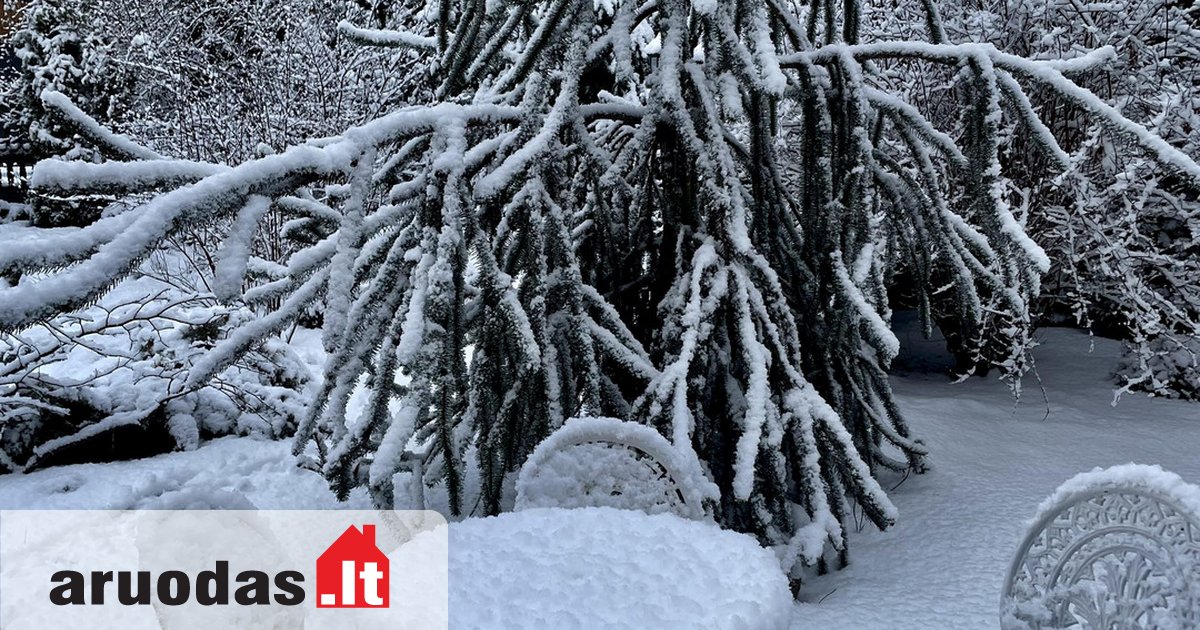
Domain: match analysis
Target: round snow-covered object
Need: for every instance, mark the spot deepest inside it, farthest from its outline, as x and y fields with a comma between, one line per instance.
x=606, y=462
x=601, y=568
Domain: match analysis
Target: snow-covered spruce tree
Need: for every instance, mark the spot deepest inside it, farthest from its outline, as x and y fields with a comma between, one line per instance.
x=58, y=50
x=682, y=213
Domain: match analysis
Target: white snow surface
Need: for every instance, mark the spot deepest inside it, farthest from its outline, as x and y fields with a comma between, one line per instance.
x=940, y=567
x=228, y=473
x=599, y=568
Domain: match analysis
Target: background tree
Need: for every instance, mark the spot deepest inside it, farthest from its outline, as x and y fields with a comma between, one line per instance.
x=59, y=51
x=1122, y=234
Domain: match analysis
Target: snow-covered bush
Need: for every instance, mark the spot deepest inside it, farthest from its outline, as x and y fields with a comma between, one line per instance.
x=1167, y=365
x=107, y=381
x=1127, y=237
x=200, y=80
x=216, y=82
x=686, y=214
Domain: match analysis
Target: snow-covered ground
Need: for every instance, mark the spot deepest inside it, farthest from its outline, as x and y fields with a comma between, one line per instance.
x=940, y=567
x=223, y=474
x=609, y=569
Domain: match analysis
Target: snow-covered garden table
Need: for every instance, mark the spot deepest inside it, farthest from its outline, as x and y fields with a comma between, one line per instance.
x=598, y=568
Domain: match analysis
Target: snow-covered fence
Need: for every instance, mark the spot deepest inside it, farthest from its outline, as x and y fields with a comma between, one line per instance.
x=1111, y=548
x=605, y=462
x=16, y=165
x=14, y=174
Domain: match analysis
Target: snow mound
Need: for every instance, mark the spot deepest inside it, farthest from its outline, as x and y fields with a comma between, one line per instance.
x=596, y=568
x=230, y=473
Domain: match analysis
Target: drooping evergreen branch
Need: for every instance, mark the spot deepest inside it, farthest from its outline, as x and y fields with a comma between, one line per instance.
x=679, y=213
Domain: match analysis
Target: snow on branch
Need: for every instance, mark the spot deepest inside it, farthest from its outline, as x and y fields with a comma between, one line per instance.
x=212, y=198
x=64, y=178
x=121, y=146
x=386, y=38
x=1047, y=73
x=906, y=114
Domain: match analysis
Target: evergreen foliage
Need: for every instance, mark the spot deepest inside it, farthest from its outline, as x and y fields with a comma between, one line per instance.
x=687, y=214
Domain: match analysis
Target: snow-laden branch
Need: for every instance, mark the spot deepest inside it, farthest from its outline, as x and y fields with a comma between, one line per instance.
x=120, y=145
x=1048, y=73
x=386, y=38
x=120, y=243
x=906, y=114
x=943, y=53
x=63, y=178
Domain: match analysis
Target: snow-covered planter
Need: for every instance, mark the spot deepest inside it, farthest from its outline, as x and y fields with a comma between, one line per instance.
x=607, y=462
x=1111, y=548
x=596, y=568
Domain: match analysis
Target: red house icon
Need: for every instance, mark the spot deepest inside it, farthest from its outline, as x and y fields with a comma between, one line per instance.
x=353, y=572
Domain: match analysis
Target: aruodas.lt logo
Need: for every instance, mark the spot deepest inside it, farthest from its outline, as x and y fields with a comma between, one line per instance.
x=353, y=572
